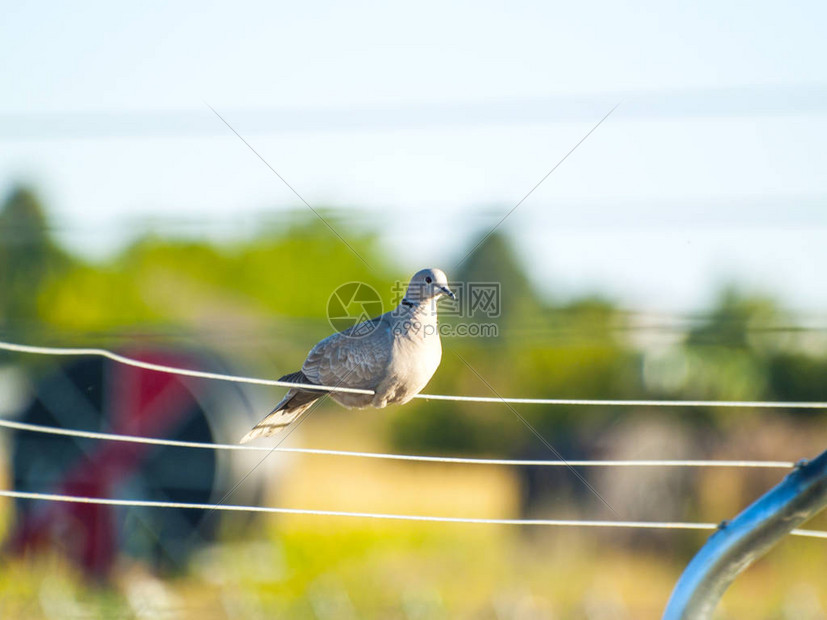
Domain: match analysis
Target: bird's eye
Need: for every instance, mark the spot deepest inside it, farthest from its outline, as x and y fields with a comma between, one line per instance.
x=428, y=279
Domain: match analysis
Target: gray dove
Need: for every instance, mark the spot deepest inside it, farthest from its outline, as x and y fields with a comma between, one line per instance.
x=394, y=354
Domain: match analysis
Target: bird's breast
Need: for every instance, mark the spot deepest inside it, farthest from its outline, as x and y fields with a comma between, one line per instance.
x=414, y=360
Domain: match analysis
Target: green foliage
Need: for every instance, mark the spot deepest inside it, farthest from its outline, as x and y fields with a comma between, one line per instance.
x=797, y=376
x=286, y=273
x=733, y=319
x=29, y=259
x=729, y=349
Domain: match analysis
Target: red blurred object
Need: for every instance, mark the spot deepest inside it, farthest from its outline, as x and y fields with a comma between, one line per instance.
x=117, y=399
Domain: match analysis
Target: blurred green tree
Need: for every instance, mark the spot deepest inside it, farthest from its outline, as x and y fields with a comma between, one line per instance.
x=798, y=376
x=29, y=258
x=281, y=274
x=734, y=320
x=728, y=350
x=495, y=261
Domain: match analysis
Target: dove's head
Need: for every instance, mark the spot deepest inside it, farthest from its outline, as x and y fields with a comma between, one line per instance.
x=428, y=284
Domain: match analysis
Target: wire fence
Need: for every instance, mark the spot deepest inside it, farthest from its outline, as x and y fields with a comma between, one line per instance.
x=51, y=430
x=652, y=525
x=184, y=372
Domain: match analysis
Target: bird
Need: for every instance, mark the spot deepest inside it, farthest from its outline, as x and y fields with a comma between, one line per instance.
x=394, y=355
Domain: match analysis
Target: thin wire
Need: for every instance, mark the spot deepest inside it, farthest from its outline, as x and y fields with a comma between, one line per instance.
x=539, y=183
x=336, y=513
x=659, y=525
x=21, y=348
x=51, y=430
x=302, y=418
x=292, y=189
x=542, y=439
x=628, y=403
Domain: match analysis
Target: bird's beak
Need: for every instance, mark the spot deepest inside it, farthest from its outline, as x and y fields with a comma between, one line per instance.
x=448, y=292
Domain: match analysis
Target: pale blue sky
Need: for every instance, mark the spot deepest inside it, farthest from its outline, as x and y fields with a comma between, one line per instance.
x=711, y=169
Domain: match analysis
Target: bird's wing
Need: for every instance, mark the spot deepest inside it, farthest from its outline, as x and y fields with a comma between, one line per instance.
x=349, y=359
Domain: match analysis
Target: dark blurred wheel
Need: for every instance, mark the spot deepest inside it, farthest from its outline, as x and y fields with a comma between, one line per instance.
x=98, y=395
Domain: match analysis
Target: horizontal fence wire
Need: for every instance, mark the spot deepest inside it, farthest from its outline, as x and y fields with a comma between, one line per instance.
x=384, y=516
x=652, y=525
x=51, y=430
x=184, y=372
x=65, y=351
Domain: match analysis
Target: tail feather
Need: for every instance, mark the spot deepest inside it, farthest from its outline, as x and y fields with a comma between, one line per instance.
x=294, y=403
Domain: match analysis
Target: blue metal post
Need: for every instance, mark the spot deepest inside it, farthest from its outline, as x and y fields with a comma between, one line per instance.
x=738, y=543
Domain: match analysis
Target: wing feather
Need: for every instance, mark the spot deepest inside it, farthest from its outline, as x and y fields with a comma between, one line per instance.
x=351, y=361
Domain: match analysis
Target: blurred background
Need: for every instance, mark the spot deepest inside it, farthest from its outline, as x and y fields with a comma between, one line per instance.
x=677, y=253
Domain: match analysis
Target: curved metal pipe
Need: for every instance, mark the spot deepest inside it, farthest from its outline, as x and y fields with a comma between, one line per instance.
x=740, y=542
